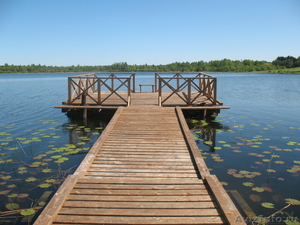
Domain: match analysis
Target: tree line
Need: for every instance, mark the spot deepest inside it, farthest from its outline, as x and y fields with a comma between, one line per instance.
x=224, y=65
x=288, y=62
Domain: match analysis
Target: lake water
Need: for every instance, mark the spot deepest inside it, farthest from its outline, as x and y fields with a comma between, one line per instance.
x=253, y=148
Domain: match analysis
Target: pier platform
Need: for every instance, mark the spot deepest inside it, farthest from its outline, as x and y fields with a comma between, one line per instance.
x=145, y=168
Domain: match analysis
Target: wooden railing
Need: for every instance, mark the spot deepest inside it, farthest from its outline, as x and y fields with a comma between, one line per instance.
x=93, y=87
x=200, y=85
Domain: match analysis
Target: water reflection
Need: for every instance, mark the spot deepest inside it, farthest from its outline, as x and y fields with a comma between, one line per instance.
x=205, y=130
x=257, y=159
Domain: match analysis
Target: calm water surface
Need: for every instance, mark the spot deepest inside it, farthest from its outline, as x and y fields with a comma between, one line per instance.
x=253, y=148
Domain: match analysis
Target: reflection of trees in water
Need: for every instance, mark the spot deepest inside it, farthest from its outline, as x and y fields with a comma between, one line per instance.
x=205, y=130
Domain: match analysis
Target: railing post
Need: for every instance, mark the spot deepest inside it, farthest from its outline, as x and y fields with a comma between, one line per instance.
x=209, y=88
x=69, y=90
x=133, y=82
x=189, y=91
x=215, y=91
x=128, y=93
x=99, y=91
x=113, y=82
x=159, y=91
x=204, y=86
x=86, y=84
x=79, y=83
x=177, y=75
x=155, y=81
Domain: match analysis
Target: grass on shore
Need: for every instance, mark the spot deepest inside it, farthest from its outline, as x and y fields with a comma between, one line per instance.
x=295, y=70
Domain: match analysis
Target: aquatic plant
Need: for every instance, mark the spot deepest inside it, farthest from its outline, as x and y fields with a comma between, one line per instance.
x=262, y=156
x=34, y=161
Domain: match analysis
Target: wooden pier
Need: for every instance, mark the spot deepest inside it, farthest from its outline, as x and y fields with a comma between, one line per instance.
x=145, y=168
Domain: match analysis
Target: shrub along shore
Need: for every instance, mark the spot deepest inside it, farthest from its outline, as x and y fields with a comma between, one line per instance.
x=281, y=65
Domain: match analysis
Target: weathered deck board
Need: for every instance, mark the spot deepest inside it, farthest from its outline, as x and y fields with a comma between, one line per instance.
x=141, y=172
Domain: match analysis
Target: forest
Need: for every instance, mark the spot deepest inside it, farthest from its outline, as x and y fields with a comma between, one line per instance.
x=224, y=65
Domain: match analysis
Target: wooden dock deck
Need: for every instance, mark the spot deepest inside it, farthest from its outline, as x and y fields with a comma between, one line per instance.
x=145, y=168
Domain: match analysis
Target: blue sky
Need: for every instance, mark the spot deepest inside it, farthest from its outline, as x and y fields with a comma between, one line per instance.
x=103, y=32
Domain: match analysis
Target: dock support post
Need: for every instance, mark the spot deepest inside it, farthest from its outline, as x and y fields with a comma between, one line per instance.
x=84, y=113
x=83, y=102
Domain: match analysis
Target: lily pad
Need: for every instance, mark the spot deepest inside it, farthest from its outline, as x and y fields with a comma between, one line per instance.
x=12, y=206
x=266, y=160
x=255, y=198
x=238, y=175
x=28, y=212
x=267, y=205
x=6, y=177
x=244, y=172
x=292, y=201
x=47, y=170
x=238, y=151
x=248, y=184
x=30, y=179
x=23, y=195
x=50, y=180
x=45, y=185
x=12, y=186
x=22, y=168
x=13, y=195
x=258, y=189
x=5, y=192
x=42, y=203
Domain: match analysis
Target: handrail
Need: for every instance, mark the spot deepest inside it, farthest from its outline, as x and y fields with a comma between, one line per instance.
x=202, y=85
x=178, y=75
x=90, y=85
x=94, y=75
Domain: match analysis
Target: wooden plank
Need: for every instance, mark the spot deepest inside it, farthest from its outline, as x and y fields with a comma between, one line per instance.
x=87, y=191
x=146, y=143
x=204, y=107
x=144, y=159
x=197, y=198
x=140, y=205
x=153, y=163
x=152, y=156
x=165, y=167
x=127, y=174
x=143, y=151
x=85, y=107
x=122, y=180
x=229, y=209
x=52, y=208
x=141, y=186
x=135, y=170
x=138, y=212
x=71, y=219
